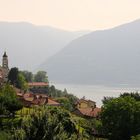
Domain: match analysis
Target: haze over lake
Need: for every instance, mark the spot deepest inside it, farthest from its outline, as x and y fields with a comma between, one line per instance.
x=96, y=92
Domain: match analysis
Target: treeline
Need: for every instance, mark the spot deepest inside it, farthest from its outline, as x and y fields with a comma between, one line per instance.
x=40, y=76
x=42, y=123
x=9, y=103
x=20, y=79
x=120, y=117
x=66, y=99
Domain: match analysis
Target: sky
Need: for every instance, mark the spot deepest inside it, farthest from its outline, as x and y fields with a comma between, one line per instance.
x=71, y=14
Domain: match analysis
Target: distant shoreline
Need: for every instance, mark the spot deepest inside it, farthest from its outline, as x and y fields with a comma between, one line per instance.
x=95, y=92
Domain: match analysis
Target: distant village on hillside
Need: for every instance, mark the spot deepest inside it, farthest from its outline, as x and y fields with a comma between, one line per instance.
x=35, y=95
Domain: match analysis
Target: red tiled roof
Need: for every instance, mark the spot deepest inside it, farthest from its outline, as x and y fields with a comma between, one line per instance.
x=89, y=111
x=52, y=102
x=38, y=84
x=37, y=99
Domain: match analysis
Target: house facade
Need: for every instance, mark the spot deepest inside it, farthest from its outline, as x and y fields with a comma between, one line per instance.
x=82, y=103
x=39, y=87
x=87, y=109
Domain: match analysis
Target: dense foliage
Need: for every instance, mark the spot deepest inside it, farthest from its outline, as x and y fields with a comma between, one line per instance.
x=41, y=76
x=134, y=95
x=135, y=137
x=21, y=83
x=13, y=76
x=17, y=79
x=66, y=99
x=47, y=123
x=121, y=118
x=28, y=76
x=9, y=103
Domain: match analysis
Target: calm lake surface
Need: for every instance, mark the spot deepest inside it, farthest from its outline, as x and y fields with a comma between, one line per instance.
x=96, y=92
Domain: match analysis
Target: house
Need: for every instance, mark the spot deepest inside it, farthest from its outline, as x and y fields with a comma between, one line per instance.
x=31, y=99
x=52, y=102
x=87, y=108
x=82, y=103
x=38, y=87
x=88, y=112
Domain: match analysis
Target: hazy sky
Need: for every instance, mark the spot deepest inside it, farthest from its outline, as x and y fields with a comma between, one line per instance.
x=71, y=14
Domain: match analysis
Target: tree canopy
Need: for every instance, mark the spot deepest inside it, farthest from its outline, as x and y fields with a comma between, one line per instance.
x=135, y=137
x=8, y=100
x=120, y=118
x=41, y=76
x=13, y=76
x=21, y=82
x=135, y=95
x=28, y=76
x=48, y=123
x=17, y=79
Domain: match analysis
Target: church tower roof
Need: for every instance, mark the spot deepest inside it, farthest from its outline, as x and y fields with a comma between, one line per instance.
x=5, y=55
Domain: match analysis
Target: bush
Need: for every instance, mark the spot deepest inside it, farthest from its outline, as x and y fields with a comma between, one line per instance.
x=121, y=118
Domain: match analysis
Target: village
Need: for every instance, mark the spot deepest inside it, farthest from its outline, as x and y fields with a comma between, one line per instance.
x=37, y=95
x=83, y=107
x=32, y=109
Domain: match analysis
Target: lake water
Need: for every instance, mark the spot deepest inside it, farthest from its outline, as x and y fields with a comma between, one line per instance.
x=96, y=93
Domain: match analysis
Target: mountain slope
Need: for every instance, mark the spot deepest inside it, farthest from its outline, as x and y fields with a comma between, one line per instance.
x=28, y=45
x=102, y=57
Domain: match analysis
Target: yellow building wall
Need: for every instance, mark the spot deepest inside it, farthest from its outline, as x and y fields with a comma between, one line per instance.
x=83, y=105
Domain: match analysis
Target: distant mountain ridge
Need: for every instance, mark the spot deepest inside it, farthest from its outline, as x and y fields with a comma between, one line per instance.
x=103, y=57
x=29, y=45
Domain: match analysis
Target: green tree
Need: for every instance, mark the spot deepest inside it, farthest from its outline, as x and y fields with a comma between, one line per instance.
x=135, y=137
x=28, y=76
x=52, y=91
x=4, y=135
x=107, y=99
x=67, y=100
x=41, y=76
x=65, y=103
x=21, y=82
x=17, y=79
x=8, y=100
x=49, y=123
x=13, y=76
x=65, y=91
x=136, y=95
x=120, y=118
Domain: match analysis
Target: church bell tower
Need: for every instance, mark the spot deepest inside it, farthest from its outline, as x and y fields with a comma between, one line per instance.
x=5, y=61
